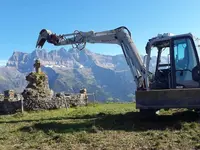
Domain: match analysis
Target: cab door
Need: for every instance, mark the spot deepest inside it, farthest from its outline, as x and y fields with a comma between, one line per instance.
x=185, y=59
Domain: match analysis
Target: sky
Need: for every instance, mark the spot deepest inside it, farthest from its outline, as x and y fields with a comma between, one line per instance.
x=22, y=20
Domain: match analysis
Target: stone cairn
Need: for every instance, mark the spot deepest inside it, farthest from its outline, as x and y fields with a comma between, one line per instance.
x=37, y=95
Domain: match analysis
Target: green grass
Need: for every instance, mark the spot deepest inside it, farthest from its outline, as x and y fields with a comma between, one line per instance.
x=100, y=126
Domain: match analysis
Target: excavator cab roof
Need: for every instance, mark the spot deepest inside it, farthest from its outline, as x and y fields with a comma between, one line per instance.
x=163, y=40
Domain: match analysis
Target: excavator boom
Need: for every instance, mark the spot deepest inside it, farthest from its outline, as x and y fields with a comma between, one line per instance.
x=120, y=36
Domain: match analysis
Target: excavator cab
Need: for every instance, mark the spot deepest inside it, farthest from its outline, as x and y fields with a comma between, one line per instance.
x=176, y=82
x=177, y=62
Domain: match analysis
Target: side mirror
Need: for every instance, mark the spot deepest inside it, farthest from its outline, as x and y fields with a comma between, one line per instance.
x=196, y=73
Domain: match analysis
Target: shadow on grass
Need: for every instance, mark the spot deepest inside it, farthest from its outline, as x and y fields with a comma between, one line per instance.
x=58, y=127
x=51, y=119
x=136, y=122
x=132, y=121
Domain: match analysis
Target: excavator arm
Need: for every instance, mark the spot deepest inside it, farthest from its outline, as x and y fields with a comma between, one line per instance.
x=120, y=36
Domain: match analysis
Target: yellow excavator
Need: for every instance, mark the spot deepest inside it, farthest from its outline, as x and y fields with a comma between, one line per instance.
x=174, y=84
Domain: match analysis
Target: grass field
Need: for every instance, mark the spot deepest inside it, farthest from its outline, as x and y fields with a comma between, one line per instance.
x=100, y=126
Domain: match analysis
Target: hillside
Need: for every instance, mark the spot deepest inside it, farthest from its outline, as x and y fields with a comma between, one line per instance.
x=100, y=126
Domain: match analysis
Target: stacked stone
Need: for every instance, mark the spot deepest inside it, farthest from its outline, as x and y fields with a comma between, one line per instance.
x=38, y=96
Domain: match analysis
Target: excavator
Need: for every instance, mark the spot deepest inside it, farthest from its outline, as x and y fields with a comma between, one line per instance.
x=173, y=84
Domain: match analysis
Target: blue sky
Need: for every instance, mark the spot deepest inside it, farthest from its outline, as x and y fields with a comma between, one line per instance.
x=21, y=20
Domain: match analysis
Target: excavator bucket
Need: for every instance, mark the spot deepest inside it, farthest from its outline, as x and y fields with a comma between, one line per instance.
x=40, y=42
x=41, y=39
x=47, y=35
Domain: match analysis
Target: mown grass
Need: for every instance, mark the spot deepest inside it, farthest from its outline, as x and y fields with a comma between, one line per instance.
x=100, y=126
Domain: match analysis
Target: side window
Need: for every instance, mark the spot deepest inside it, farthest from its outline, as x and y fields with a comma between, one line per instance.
x=184, y=54
x=185, y=61
x=179, y=51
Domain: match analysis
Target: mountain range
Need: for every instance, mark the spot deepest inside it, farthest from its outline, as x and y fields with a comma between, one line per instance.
x=68, y=71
